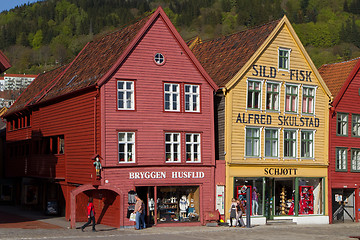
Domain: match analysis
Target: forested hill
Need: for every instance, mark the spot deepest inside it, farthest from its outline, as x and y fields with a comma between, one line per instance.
x=39, y=36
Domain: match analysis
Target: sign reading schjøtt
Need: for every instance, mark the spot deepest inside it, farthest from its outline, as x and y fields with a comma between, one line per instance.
x=163, y=175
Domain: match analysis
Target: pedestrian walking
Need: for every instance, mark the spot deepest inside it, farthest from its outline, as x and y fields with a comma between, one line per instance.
x=91, y=215
x=239, y=212
x=232, y=211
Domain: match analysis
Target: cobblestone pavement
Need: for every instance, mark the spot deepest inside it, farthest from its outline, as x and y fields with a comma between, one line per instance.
x=32, y=226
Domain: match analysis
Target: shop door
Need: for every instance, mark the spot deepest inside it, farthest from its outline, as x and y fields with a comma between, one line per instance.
x=343, y=205
x=147, y=195
x=269, y=198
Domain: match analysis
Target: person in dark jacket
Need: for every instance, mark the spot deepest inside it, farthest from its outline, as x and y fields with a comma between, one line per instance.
x=91, y=215
x=232, y=211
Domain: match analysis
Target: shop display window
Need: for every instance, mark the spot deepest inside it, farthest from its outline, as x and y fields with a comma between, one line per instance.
x=310, y=196
x=178, y=204
x=256, y=189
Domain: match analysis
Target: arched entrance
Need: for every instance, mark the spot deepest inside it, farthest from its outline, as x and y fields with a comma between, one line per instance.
x=107, y=195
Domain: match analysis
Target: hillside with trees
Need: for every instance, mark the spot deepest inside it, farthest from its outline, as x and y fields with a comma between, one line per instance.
x=40, y=36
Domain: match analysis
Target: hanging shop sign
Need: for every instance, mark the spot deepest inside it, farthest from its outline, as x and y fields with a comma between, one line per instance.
x=266, y=119
x=164, y=175
x=270, y=72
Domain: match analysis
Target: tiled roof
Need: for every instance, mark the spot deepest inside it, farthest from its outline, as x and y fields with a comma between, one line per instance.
x=95, y=60
x=223, y=57
x=4, y=62
x=336, y=74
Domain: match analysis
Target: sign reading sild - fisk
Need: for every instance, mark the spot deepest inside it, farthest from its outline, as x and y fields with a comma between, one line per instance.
x=281, y=120
x=270, y=72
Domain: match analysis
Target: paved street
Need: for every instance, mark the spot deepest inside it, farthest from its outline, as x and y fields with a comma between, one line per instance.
x=17, y=224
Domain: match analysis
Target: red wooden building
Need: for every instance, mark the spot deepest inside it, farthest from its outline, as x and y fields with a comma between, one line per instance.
x=138, y=99
x=4, y=63
x=343, y=80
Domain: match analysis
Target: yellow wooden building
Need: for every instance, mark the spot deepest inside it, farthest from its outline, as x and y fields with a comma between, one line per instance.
x=272, y=123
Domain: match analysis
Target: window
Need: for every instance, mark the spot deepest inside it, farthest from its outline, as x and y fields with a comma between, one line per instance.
x=341, y=159
x=291, y=98
x=252, y=142
x=192, y=98
x=172, y=94
x=159, y=59
x=342, y=124
x=272, y=96
x=308, y=100
x=125, y=95
x=254, y=94
x=284, y=59
x=307, y=144
x=355, y=125
x=57, y=144
x=355, y=160
x=193, y=147
x=172, y=147
x=271, y=142
x=126, y=147
x=290, y=143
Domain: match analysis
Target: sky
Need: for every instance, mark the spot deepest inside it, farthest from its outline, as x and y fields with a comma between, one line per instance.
x=9, y=4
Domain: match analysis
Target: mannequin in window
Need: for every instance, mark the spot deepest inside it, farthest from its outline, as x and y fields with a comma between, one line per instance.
x=183, y=205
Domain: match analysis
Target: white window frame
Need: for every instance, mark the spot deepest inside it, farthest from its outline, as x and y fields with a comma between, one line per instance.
x=296, y=101
x=295, y=143
x=344, y=124
x=341, y=164
x=277, y=142
x=355, y=160
x=288, y=50
x=258, y=147
x=247, y=94
x=307, y=105
x=307, y=140
x=355, y=125
x=278, y=99
x=195, y=147
x=192, y=98
x=125, y=91
x=171, y=156
x=173, y=95
x=126, y=144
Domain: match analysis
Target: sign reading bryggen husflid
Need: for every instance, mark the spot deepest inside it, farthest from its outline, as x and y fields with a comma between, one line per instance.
x=275, y=110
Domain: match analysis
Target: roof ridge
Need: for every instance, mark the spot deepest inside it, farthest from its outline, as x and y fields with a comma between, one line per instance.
x=350, y=60
x=247, y=29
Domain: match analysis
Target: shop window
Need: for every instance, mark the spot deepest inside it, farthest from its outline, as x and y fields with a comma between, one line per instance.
x=254, y=94
x=192, y=98
x=355, y=160
x=342, y=124
x=291, y=98
x=193, y=147
x=290, y=143
x=172, y=147
x=310, y=196
x=284, y=58
x=256, y=190
x=272, y=96
x=271, y=142
x=252, y=142
x=126, y=147
x=341, y=159
x=125, y=90
x=178, y=204
x=308, y=101
x=307, y=144
x=171, y=97
x=355, y=125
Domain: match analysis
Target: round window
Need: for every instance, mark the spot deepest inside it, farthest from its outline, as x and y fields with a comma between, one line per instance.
x=159, y=59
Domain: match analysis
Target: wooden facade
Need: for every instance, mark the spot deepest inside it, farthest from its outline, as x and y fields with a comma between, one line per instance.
x=75, y=115
x=343, y=80
x=254, y=159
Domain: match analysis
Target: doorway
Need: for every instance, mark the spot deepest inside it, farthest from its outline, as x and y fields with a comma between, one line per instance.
x=343, y=205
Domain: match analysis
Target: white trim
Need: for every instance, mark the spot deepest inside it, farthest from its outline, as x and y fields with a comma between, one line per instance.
x=259, y=145
x=191, y=95
x=289, y=52
x=126, y=149
x=297, y=101
x=313, y=143
x=125, y=91
x=172, y=142
x=279, y=95
x=192, y=143
x=171, y=94
x=261, y=93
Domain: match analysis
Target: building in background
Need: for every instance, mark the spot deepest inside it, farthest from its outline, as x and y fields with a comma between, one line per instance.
x=271, y=123
x=343, y=80
x=16, y=81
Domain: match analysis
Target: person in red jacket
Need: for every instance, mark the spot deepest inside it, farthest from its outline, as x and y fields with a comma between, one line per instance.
x=90, y=214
